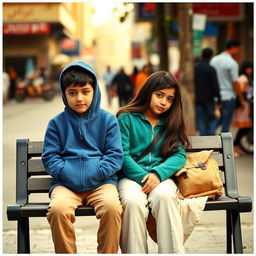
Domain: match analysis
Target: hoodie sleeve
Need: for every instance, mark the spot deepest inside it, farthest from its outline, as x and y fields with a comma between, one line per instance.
x=113, y=155
x=171, y=165
x=130, y=168
x=51, y=158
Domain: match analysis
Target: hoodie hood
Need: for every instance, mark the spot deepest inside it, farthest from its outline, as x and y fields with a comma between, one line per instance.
x=95, y=105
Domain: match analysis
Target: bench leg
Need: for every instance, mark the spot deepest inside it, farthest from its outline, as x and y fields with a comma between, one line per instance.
x=229, y=231
x=237, y=234
x=23, y=245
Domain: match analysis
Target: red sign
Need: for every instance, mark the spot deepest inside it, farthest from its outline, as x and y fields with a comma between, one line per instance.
x=218, y=10
x=68, y=44
x=26, y=28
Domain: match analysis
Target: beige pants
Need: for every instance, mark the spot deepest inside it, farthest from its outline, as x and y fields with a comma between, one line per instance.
x=61, y=215
x=165, y=209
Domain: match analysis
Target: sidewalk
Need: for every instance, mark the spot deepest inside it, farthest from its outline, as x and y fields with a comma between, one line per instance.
x=203, y=240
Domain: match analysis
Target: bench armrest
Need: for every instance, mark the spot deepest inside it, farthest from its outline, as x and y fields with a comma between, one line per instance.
x=13, y=212
x=245, y=204
x=229, y=162
x=21, y=171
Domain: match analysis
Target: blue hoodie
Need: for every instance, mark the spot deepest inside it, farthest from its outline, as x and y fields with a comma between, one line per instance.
x=82, y=153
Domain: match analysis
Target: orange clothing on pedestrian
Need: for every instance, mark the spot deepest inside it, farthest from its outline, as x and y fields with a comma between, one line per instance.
x=12, y=74
x=139, y=81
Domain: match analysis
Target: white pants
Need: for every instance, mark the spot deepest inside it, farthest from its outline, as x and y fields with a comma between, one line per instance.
x=165, y=207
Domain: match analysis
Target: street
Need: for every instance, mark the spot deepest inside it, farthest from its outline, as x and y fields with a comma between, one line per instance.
x=29, y=120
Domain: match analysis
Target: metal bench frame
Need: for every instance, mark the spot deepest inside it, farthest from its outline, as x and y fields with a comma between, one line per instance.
x=27, y=168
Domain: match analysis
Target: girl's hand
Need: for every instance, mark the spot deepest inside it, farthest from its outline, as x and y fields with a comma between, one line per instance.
x=152, y=182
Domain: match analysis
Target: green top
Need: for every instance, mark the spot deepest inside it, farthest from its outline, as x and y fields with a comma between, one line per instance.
x=137, y=133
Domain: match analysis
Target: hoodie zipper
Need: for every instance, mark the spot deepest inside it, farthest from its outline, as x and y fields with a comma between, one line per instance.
x=79, y=128
x=80, y=133
x=150, y=154
x=80, y=122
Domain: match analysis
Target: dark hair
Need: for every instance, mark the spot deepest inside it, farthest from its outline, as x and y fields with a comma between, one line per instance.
x=76, y=75
x=207, y=53
x=232, y=43
x=242, y=70
x=176, y=134
x=245, y=64
x=135, y=70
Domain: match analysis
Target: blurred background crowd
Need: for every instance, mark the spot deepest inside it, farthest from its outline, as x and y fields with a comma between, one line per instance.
x=125, y=42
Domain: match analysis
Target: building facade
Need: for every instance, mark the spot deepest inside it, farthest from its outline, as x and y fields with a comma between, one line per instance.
x=44, y=34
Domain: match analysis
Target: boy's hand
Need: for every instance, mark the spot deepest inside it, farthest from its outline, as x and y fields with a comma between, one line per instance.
x=152, y=182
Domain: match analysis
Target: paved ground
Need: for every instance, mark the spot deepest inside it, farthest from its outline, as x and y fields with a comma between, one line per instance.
x=204, y=240
x=29, y=120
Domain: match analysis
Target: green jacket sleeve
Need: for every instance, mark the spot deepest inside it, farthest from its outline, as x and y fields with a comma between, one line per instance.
x=171, y=165
x=130, y=168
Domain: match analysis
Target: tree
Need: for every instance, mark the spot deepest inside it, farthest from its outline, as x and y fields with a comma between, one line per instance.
x=162, y=37
x=186, y=67
x=186, y=70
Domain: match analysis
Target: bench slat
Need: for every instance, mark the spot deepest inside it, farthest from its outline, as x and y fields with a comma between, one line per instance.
x=39, y=185
x=40, y=210
x=222, y=203
x=198, y=142
x=35, y=166
x=205, y=142
x=35, y=148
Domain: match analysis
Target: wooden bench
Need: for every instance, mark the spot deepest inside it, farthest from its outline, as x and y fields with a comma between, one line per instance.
x=32, y=178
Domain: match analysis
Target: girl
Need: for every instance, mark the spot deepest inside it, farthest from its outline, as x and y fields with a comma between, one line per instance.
x=146, y=183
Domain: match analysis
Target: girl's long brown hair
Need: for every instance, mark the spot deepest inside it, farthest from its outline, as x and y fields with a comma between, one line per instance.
x=176, y=133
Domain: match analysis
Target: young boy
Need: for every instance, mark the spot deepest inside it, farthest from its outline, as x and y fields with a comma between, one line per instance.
x=82, y=152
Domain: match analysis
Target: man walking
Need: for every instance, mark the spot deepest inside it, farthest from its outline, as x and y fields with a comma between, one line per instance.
x=123, y=84
x=107, y=78
x=206, y=92
x=227, y=74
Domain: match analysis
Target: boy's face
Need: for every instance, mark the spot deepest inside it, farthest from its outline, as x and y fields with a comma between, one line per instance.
x=79, y=98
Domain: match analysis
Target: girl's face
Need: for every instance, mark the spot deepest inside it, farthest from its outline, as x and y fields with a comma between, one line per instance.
x=161, y=101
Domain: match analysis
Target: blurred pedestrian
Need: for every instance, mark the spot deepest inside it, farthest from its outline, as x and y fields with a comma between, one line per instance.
x=42, y=73
x=141, y=78
x=107, y=78
x=38, y=80
x=13, y=77
x=55, y=74
x=6, y=86
x=123, y=84
x=133, y=75
x=206, y=92
x=227, y=74
x=242, y=118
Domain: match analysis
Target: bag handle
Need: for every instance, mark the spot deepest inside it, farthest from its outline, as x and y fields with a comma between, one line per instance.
x=150, y=146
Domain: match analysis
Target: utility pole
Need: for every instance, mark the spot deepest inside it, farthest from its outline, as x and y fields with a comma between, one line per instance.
x=186, y=70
